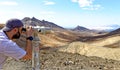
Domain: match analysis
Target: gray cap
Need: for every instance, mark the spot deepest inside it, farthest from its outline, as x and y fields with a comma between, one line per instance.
x=11, y=24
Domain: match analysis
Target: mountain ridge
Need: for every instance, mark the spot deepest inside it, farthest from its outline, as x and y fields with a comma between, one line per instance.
x=80, y=28
x=36, y=22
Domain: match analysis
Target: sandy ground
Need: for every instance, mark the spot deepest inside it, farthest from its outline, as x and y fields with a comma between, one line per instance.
x=53, y=60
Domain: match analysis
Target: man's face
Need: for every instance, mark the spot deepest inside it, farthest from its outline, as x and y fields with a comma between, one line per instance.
x=18, y=34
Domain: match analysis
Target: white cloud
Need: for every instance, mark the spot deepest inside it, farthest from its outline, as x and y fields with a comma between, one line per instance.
x=87, y=4
x=92, y=7
x=84, y=3
x=9, y=3
x=49, y=3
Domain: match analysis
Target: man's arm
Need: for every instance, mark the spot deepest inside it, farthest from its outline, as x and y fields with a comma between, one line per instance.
x=28, y=48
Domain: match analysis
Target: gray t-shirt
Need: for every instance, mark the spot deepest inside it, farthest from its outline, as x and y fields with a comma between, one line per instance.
x=8, y=48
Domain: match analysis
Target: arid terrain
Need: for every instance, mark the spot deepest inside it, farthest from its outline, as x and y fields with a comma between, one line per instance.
x=64, y=53
x=54, y=60
x=62, y=49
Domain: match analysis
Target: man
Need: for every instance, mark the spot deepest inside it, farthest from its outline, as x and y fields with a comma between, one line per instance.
x=8, y=48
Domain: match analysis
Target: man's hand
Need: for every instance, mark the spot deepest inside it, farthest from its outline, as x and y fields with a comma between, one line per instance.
x=28, y=57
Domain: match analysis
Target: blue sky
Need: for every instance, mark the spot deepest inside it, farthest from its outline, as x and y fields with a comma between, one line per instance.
x=66, y=13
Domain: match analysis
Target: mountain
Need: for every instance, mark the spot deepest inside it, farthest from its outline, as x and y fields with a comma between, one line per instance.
x=86, y=30
x=117, y=31
x=36, y=22
x=80, y=28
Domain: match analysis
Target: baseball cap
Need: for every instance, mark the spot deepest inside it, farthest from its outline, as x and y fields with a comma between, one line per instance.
x=12, y=23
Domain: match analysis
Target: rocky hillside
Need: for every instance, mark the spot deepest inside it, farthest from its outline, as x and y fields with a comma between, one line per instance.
x=92, y=50
x=102, y=36
x=54, y=60
x=117, y=31
x=36, y=22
